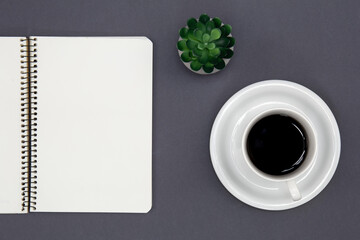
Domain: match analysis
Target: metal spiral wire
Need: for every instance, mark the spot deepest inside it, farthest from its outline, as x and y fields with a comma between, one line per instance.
x=28, y=50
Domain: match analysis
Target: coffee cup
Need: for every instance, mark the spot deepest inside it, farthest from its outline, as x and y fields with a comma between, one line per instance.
x=279, y=144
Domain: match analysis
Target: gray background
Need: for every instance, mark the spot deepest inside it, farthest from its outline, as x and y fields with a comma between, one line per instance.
x=314, y=43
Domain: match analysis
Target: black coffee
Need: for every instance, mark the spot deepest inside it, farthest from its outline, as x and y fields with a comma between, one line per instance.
x=276, y=144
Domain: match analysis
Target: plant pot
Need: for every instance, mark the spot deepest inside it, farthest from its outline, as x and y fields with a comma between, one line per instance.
x=225, y=60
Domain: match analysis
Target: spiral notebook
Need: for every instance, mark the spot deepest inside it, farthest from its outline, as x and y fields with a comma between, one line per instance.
x=76, y=124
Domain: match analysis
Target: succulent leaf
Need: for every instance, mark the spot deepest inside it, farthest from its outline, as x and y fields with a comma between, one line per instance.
x=191, y=44
x=184, y=33
x=204, y=58
x=208, y=67
x=197, y=52
x=222, y=42
x=217, y=22
x=210, y=25
x=229, y=53
x=181, y=45
x=186, y=56
x=215, y=34
x=191, y=54
x=204, y=18
x=206, y=38
x=195, y=65
x=214, y=60
x=192, y=23
x=214, y=52
x=201, y=26
x=191, y=36
x=222, y=52
x=231, y=42
x=226, y=29
x=198, y=34
x=211, y=46
x=201, y=46
x=220, y=65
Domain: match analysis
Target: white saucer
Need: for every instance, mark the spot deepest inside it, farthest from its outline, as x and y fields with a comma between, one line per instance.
x=228, y=160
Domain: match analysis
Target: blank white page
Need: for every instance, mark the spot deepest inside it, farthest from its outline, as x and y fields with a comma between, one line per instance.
x=10, y=126
x=94, y=124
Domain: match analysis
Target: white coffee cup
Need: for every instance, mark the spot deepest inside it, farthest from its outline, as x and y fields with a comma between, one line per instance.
x=310, y=135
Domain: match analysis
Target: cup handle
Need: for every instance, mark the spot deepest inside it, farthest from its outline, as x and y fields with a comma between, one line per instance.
x=294, y=191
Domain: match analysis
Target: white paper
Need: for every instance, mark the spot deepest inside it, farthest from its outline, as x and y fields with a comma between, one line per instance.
x=10, y=126
x=94, y=124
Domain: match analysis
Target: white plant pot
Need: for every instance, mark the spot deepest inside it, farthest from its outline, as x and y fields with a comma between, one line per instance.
x=201, y=71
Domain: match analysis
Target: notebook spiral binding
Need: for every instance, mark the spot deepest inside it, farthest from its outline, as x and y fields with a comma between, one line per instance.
x=28, y=60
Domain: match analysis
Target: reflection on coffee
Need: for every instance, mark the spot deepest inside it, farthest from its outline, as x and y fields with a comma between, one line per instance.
x=277, y=145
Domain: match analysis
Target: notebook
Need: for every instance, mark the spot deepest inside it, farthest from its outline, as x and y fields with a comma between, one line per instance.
x=76, y=124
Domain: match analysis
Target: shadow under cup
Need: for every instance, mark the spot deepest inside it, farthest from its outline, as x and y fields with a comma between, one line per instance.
x=306, y=129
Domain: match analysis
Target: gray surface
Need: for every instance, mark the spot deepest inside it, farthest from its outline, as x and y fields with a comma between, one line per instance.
x=314, y=43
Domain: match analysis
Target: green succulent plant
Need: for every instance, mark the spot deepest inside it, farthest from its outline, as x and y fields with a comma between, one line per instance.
x=206, y=43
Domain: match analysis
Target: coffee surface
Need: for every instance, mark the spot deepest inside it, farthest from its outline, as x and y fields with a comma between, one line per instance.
x=277, y=145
